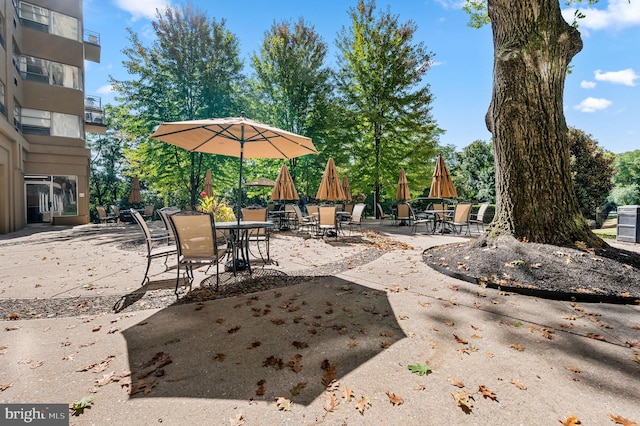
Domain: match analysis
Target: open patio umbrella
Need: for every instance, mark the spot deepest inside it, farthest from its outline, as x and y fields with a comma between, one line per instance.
x=261, y=182
x=441, y=184
x=330, y=186
x=208, y=184
x=346, y=188
x=403, y=187
x=134, y=196
x=284, y=189
x=236, y=137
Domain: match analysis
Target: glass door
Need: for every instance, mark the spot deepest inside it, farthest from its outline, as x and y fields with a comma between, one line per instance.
x=39, y=199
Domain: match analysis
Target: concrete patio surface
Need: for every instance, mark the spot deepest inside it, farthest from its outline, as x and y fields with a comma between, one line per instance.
x=337, y=342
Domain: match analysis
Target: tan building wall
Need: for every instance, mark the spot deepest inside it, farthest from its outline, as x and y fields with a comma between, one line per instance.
x=27, y=155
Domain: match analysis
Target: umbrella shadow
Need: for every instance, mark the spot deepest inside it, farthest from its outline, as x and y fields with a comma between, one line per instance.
x=288, y=342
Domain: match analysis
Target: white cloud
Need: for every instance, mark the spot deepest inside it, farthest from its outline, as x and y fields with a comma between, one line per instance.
x=142, y=8
x=618, y=14
x=593, y=104
x=451, y=4
x=626, y=77
x=587, y=84
x=105, y=90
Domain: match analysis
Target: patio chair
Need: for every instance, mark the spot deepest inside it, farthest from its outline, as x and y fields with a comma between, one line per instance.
x=349, y=207
x=312, y=212
x=198, y=244
x=478, y=218
x=151, y=242
x=116, y=212
x=148, y=212
x=259, y=235
x=438, y=218
x=164, y=213
x=417, y=220
x=327, y=221
x=460, y=218
x=404, y=214
x=356, y=218
x=303, y=221
x=104, y=217
x=383, y=215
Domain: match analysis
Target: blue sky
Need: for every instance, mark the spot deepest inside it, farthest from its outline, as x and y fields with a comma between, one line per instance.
x=602, y=94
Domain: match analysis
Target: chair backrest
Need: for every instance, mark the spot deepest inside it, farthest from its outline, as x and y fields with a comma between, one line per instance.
x=356, y=214
x=412, y=213
x=195, y=235
x=312, y=210
x=439, y=206
x=259, y=215
x=481, y=212
x=380, y=211
x=102, y=214
x=164, y=215
x=270, y=207
x=296, y=208
x=327, y=216
x=461, y=212
x=403, y=211
x=115, y=209
x=145, y=229
x=349, y=207
x=148, y=210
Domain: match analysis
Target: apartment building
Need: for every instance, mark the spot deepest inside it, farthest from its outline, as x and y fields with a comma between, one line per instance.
x=44, y=113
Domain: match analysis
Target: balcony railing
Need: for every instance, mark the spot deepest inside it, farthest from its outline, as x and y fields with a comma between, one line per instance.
x=94, y=114
x=92, y=37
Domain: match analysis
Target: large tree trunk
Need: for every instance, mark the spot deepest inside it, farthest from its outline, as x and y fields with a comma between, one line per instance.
x=535, y=200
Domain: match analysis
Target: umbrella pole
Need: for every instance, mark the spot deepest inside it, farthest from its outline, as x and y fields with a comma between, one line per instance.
x=239, y=206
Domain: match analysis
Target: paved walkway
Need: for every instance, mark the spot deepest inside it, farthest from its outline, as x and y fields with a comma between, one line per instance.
x=495, y=358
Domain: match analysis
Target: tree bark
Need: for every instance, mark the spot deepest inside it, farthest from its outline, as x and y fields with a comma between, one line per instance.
x=535, y=199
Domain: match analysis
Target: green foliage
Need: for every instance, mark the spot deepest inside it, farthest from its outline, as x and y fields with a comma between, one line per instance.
x=222, y=212
x=592, y=171
x=473, y=172
x=386, y=108
x=293, y=91
x=420, y=369
x=624, y=195
x=627, y=167
x=191, y=71
x=78, y=407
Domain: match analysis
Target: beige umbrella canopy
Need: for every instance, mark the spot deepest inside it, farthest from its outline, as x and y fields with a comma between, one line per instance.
x=135, y=196
x=208, y=184
x=330, y=186
x=346, y=188
x=284, y=189
x=441, y=184
x=261, y=182
x=236, y=137
x=403, y=187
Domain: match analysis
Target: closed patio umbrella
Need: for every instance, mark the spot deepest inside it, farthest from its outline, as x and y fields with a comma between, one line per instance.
x=236, y=137
x=284, y=189
x=208, y=184
x=261, y=182
x=346, y=188
x=330, y=186
x=135, y=196
x=441, y=184
x=403, y=187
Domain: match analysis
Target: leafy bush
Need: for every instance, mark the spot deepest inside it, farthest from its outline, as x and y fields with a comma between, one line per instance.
x=625, y=195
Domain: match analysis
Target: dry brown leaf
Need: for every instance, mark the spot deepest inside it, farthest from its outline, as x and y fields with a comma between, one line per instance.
x=362, y=404
x=297, y=388
x=465, y=400
x=486, y=393
x=596, y=337
x=516, y=347
x=283, y=404
x=574, y=369
x=331, y=403
x=489, y=355
x=457, y=383
x=460, y=340
x=518, y=384
x=619, y=420
x=570, y=421
x=5, y=386
x=634, y=344
x=347, y=394
x=450, y=323
x=238, y=420
x=547, y=333
x=395, y=399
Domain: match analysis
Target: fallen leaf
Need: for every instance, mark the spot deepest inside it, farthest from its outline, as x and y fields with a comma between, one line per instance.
x=464, y=400
x=457, y=383
x=331, y=403
x=5, y=386
x=297, y=388
x=419, y=369
x=347, y=394
x=516, y=347
x=518, y=384
x=395, y=399
x=283, y=404
x=570, y=421
x=486, y=393
x=634, y=344
x=238, y=420
x=596, y=337
x=460, y=340
x=574, y=369
x=362, y=404
x=619, y=420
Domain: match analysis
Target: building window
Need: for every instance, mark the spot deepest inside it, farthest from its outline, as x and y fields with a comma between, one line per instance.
x=37, y=122
x=42, y=19
x=3, y=108
x=65, y=125
x=48, y=72
x=2, y=30
x=17, y=113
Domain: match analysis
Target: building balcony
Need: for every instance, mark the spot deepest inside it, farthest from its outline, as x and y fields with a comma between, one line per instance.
x=94, y=115
x=92, y=46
